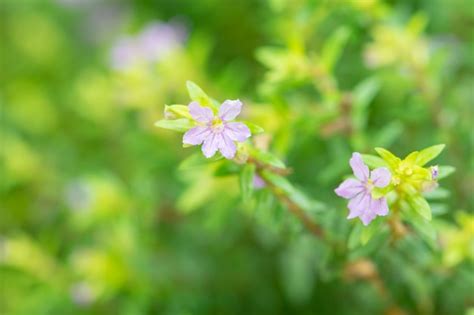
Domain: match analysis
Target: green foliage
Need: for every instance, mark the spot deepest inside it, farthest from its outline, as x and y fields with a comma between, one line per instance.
x=104, y=213
x=198, y=95
x=180, y=125
x=246, y=181
x=429, y=154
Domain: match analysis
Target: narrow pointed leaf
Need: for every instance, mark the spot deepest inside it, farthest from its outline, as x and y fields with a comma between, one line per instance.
x=254, y=129
x=445, y=170
x=180, y=125
x=198, y=95
x=429, y=154
x=373, y=161
x=267, y=158
x=246, y=181
x=391, y=159
x=177, y=111
x=420, y=205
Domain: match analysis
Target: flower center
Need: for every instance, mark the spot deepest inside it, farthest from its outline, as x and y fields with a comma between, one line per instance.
x=369, y=185
x=405, y=169
x=217, y=125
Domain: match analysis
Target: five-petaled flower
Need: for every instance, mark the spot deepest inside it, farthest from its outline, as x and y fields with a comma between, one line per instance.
x=217, y=132
x=359, y=190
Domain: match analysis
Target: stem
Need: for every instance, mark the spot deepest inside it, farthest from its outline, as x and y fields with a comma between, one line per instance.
x=365, y=269
x=312, y=226
x=296, y=210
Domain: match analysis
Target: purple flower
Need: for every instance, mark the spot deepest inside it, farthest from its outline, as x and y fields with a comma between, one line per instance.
x=258, y=182
x=153, y=44
x=217, y=132
x=434, y=172
x=125, y=54
x=158, y=39
x=359, y=190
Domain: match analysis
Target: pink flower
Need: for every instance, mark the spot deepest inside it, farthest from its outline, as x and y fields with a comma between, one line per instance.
x=434, y=172
x=158, y=39
x=126, y=53
x=153, y=44
x=217, y=133
x=258, y=182
x=359, y=190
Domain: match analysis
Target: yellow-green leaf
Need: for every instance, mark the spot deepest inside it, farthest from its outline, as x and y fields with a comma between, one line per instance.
x=354, y=238
x=198, y=95
x=246, y=181
x=267, y=158
x=373, y=161
x=420, y=205
x=180, y=125
x=254, y=129
x=391, y=159
x=429, y=154
x=445, y=170
x=177, y=111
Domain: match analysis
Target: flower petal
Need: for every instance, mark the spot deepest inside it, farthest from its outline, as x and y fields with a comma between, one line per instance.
x=361, y=171
x=258, y=182
x=367, y=217
x=196, y=135
x=237, y=131
x=380, y=206
x=226, y=146
x=358, y=204
x=230, y=109
x=210, y=146
x=381, y=177
x=200, y=113
x=349, y=188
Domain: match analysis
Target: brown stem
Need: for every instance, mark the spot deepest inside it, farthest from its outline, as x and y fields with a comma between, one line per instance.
x=314, y=228
x=276, y=170
x=296, y=210
x=365, y=269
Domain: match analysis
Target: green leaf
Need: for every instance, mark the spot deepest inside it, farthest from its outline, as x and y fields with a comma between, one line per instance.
x=270, y=56
x=198, y=95
x=373, y=161
x=298, y=269
x=278, y=181
x=445, y=170
x=438, y=193
x=246, y=181
x=197, y=160
x=426, y=230
x=388, y=133
x=293, y=193
x=438, y=209
x=391, y=159
x=417, y=24
x=363, y=94
x=177, y=111
x=410, y=190
x=370, y=230
x=429, y=154
x=227, y=168
x=420, y=205
x=423, y=227
x=267, y=158
x=334, y=46
x=254, y=129
x=381, y=192
x=180, y=125
x=354, y=237
x=412, y=157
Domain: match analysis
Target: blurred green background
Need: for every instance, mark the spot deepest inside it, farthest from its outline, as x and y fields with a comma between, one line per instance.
x=97, y=217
